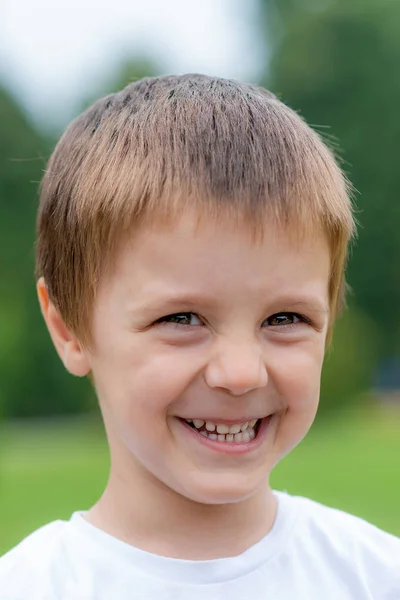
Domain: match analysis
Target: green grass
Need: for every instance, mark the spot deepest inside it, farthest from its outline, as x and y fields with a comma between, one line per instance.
x=48, y=471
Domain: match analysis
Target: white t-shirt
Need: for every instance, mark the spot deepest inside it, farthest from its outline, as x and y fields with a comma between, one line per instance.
x=311, y=553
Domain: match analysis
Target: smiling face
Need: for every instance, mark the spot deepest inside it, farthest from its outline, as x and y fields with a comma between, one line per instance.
x=205, y=325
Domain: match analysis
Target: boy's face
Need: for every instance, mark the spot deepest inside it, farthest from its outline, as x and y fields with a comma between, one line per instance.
x=208, y=326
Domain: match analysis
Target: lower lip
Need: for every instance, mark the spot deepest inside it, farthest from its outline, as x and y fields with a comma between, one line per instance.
x=230, y=447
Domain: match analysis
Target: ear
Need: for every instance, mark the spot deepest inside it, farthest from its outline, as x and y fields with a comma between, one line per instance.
x=70, y=350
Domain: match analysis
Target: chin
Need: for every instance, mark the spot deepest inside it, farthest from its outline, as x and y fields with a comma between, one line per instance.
x=226, y=489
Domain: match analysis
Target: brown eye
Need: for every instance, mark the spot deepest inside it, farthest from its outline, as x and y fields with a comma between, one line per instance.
x=283, y=319
x=181, y=319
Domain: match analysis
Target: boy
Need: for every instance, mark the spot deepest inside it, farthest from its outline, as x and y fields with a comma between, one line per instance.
x=192, y=238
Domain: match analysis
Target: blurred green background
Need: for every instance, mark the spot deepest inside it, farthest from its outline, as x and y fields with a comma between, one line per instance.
x=337, y=63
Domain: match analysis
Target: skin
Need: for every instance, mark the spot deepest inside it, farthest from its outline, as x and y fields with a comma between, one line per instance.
x=230, y=360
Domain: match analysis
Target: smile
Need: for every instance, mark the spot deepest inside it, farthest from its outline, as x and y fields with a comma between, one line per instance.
x=235, y=433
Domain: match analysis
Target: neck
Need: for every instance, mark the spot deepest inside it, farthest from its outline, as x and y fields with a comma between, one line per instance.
x=141, y=511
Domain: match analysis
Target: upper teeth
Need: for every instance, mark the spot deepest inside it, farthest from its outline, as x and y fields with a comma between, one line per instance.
x=223, y=428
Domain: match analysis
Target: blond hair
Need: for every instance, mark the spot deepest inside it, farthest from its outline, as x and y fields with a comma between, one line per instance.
x=164, y=143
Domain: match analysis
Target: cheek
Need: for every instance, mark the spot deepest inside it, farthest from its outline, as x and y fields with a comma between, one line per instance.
x=138, y=380
x=296, y=374
x=139, y=384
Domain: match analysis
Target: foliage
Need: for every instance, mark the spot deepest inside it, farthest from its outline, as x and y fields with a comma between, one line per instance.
x=337, y=63
x=32, y=380
x=346, y=375
x=27, y=367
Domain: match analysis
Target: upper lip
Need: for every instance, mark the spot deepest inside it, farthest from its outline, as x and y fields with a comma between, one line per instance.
x=227, y=421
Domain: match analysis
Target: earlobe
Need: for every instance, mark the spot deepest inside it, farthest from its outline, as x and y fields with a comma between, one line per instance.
x=69, y=349
x=75, y=359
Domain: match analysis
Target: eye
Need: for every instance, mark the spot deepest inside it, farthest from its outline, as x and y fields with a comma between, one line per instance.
x=285, y=319
x=187, y=318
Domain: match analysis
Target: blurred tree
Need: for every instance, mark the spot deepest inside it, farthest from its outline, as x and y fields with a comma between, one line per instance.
x=32, y=380
x=336, y=61
x=349, y=363
x=29, y=380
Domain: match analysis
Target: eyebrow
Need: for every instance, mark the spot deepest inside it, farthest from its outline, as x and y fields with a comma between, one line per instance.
x=187, y=300
x=302, y=303
x=177, y=301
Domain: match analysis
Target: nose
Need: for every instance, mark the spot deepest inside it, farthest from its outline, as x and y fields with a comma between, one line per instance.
x=237, y=368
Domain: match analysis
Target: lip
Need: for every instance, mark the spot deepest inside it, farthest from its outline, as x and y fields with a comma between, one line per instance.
x=229, y=447
x=226, y=421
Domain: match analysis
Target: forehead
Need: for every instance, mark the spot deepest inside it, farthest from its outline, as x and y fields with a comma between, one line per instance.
x=220, y=254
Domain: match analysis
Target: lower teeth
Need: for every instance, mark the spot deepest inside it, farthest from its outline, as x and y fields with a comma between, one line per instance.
x=245, y=436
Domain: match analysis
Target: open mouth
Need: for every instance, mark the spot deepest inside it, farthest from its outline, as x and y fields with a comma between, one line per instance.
x=237, y=433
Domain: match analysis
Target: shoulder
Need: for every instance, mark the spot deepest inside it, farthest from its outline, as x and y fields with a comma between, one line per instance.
x=348, y=544
x=25, y=568
x=328, y=522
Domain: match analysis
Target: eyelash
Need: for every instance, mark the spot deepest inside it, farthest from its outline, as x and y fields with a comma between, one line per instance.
x=167, y=320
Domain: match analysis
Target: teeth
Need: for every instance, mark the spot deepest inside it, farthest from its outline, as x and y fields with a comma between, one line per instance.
x=234, y=428
x=241, y=436
x=223, y=428
x=239, y=432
